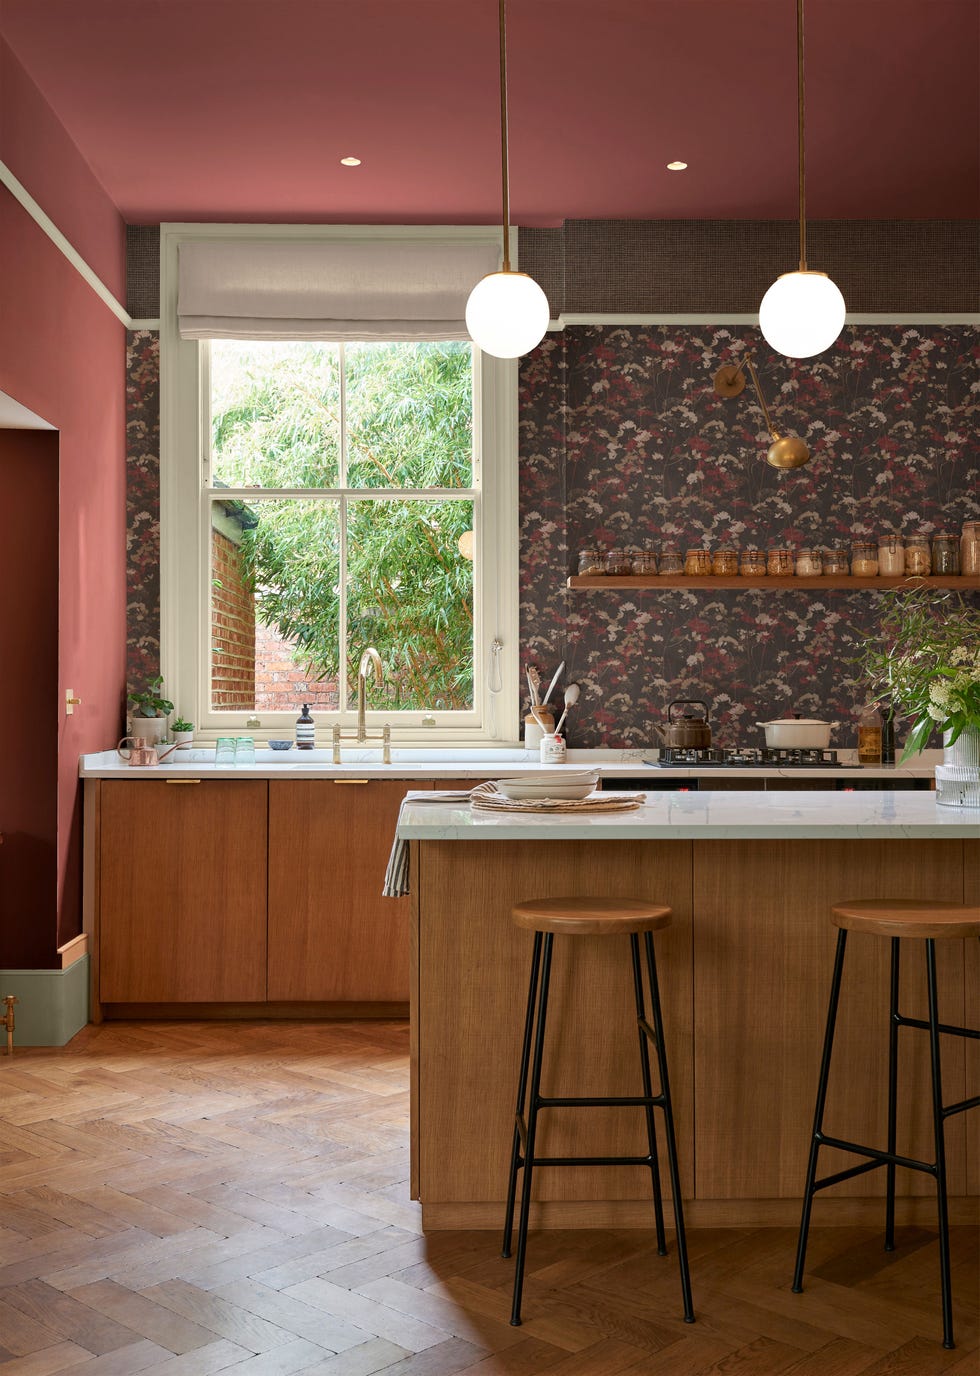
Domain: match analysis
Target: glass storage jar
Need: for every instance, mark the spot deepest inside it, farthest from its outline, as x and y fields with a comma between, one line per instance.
x=670, y=560
x=644, y=561
x=697, y=562
x=809, y=563
x=970, y=548
x=864, y=559
x=752, y=563
x=724, y=561
x=918, y=560
x=590, y=563
x=779, y=561
x=836, y=560
x=945, y=555
x=891, y=555
x=618, y=563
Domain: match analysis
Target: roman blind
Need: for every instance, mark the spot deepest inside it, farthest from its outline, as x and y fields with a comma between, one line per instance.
x=330, y=288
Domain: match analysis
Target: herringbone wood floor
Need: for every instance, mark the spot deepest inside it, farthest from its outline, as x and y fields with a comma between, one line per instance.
x=182, y=1199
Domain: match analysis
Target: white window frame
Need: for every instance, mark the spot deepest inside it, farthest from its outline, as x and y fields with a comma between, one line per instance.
x=185, y=553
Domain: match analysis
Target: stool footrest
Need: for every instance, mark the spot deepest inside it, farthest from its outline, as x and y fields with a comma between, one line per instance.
x=605, y=1101
x=881, y=1158
x=902, y=1021
x=592, y=1161
x=962, y=1106
x=645, y=1027
x=849, y=1174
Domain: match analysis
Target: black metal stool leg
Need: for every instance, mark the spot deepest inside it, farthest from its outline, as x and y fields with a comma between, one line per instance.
x=939, y=1121
x=515, y=1158
x=532, y=1122
x=811, y=1170
x=675, y=1175
x=658, y=1203
x=892, y=1100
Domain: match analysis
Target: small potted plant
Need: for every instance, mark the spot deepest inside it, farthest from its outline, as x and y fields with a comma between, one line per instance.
x=150, y=710
x=182, y=732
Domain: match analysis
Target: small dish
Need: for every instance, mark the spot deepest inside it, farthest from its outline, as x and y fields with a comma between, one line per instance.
x=280, y=745
x=554, y=786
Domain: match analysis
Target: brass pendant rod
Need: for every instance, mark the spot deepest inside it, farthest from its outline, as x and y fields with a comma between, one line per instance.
x=504, y=157
x=800, y=133
x=758, y=391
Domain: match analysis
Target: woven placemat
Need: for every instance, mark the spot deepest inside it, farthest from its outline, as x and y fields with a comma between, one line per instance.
x=602, y=802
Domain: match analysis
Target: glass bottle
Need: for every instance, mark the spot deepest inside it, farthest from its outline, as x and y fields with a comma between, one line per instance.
x=944, y=560
x=864, y=559
x=918, y=561
x=970, y=549
x=590, y=563
x=305, y=729
x=891, y=556
x=869, y=735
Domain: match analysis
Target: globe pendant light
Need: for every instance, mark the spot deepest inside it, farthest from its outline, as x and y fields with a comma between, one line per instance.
x=802, y=313
x=507, y=312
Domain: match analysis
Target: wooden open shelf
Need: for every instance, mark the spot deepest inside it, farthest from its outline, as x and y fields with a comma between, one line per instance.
x=827, y=582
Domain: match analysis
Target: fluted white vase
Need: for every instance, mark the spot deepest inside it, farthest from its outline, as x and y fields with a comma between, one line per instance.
x=958, y=777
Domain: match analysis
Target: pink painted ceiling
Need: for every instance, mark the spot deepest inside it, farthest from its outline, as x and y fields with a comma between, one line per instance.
x=241, y=109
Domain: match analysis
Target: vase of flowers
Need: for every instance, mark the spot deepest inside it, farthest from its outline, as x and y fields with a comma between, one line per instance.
x=927, y=661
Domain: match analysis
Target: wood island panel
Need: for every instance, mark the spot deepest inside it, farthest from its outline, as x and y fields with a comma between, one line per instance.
x=763, y=958
x=182, y=891
x=473, y=973
x=332, y=937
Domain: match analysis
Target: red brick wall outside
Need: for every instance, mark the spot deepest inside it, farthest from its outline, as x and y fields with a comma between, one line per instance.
x=232, y=628
x=281, y=685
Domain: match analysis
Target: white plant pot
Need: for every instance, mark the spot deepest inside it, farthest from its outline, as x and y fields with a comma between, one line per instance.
x=183, y=739
x=958, y=777
x=152, y=729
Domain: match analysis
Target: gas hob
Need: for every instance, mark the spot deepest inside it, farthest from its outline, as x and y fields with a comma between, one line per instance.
x=765, y=757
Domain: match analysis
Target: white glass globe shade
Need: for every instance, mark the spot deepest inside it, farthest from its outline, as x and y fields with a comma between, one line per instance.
x=507, y=314
x=802, y=314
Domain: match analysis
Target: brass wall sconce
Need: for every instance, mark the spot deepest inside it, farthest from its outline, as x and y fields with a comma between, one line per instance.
x=786, y=451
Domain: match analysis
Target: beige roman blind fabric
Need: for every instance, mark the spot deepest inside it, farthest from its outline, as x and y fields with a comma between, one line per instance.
x=330, y=288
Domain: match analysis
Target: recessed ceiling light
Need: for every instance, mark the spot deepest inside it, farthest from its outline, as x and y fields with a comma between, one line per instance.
x=676, y=166
x=350, y=162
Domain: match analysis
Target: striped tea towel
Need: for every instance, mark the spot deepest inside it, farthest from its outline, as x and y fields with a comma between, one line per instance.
x=396, y=875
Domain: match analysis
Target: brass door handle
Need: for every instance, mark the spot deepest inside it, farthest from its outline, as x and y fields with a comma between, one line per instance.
x=352, y=781
x=182, y=781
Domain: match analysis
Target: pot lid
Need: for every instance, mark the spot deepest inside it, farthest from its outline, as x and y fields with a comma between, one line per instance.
x=796, y=721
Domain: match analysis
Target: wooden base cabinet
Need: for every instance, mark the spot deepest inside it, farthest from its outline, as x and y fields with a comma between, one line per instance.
x=332, y=937
x=182, y=891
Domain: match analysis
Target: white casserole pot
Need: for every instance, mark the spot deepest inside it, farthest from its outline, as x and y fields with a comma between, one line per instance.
x=798, y=733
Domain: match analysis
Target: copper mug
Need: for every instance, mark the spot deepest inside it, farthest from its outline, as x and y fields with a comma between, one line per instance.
x=143, y=751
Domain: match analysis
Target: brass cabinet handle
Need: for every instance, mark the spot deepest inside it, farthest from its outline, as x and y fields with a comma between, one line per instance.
x=182, y=781
x=352, y=781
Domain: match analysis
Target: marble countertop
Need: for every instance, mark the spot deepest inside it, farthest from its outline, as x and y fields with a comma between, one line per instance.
x=705, y=815
x=467, y=763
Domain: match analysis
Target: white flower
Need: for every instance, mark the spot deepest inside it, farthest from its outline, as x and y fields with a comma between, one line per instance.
x=935, y=712
x=939, y=692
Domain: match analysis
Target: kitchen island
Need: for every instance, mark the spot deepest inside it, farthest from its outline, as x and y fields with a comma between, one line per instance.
x=745, y=973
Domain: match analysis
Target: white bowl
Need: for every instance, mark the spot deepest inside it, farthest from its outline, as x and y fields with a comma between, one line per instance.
x=556, y=787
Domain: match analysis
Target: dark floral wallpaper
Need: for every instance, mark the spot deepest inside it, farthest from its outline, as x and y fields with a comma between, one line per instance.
x=142, y=507
x=625, y=442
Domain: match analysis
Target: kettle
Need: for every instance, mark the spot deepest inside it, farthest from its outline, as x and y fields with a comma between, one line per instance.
x=143, y=751
x=690, y=732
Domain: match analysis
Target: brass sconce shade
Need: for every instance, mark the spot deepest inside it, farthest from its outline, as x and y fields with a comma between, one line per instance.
x=507, y=312
x=786, y=451
x=803, y=312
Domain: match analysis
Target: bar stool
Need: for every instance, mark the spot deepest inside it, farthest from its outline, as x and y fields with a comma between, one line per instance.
x=894, y=918
x=548, y=918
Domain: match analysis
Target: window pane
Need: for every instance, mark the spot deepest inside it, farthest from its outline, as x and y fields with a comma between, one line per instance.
x=410, y=595
x=409, y=415
x=275, y=413
x=274, y=605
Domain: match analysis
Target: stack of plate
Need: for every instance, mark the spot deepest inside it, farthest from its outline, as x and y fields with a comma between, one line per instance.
x=569, y=785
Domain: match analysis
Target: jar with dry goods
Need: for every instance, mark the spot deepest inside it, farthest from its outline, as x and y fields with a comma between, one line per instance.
x=970, y=549
x=809, y=563
x=670, y=560
x=864, y=559
x=644, y=561
x=618, y=563
x=918, y=560
x=869, y=735
x=891, y=555
x=752, y=563
x=724, y=561
x=779, y=561
x=697, y=562
x=836, y=560
x=590, y=563
x=945, y=553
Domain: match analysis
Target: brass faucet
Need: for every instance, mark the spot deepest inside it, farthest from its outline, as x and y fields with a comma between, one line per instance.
x=370, y=658
x=7, y=1021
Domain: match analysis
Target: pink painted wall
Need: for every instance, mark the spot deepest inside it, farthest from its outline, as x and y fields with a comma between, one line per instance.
x=62, y=354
